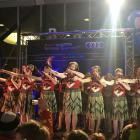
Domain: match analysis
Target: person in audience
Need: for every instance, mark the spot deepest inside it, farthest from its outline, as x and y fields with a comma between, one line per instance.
x=132, y=131
x=32, y=131
x=9, y=121
x=97, y=136
x=77, y=135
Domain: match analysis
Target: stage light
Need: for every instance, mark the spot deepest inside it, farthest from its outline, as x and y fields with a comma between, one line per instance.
x=115, y=7
x=11, y=39
x=1, y=25
x=87, y=19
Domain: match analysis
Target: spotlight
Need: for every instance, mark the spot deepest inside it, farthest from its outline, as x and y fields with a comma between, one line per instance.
x=87, y=19
x=11, y=39
x=115, y=7
x=115, y=4
x=1, y=25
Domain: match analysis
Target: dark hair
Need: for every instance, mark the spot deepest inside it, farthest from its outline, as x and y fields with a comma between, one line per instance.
x=77, y=135
x=109, y=77
x=33, y=131
x=8, y=121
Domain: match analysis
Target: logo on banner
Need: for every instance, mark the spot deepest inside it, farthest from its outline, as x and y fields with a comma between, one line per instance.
x=94, y=45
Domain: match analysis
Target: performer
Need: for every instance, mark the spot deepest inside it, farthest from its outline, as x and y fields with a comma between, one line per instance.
x=120, y=106
x=47, y=100
x=47, y=93
x=136, y=92
x=108, y=81
x=13, y=84
x=28, y=84
x=2, y=90
x=95, y=99
x=72, y=101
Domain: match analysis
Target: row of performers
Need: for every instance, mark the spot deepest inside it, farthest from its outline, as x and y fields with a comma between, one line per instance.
x=18, y=94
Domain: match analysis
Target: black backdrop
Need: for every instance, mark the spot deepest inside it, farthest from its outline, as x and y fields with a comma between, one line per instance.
x=109, y=53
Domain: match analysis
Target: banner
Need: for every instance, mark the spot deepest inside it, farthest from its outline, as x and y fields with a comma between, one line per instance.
x=107, y=52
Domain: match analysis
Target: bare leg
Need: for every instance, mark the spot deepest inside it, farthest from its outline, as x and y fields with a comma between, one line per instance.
x=121, y=125
x=26, y=117
x=91, y=122
x=115, y=127
x=109, y=125
x=60, y=120
x=67, y=121
x=74, y=120
x=97, y=125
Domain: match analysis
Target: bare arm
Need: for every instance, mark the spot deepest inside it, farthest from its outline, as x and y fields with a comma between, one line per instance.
x=77, y=73
x=125, y=85
x=58, y=74
x=53, y=79
x=105, y=82
x=17, y=85
x=86, y=80
x=32, y=78
x=130, y=81
x=8, y=72
x=3, y=80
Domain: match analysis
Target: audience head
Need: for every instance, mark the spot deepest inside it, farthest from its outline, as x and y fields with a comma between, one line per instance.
x=8, y=123
x=32, y=131
x=97, y=136
x=77, y=135
x=127, y=129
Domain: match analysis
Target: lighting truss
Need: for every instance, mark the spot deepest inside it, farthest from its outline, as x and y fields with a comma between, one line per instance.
x=126, y=33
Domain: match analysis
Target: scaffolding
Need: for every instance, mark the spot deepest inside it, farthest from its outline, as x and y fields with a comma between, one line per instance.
x=126, y=33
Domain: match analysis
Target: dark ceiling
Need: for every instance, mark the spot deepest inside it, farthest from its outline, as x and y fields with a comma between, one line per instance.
x=53, y=15
x=64, y=15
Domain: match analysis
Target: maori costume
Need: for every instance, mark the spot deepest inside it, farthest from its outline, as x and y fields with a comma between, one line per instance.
x=12, y=101
x=120, y=107
x=135, y=98
x=26, y=96
x=72, y=101
x=48, y=95
x=95, y=100
x=2, y=90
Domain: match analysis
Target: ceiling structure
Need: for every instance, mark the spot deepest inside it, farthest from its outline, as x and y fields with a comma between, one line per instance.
x=14, y=3
x=63, y=15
